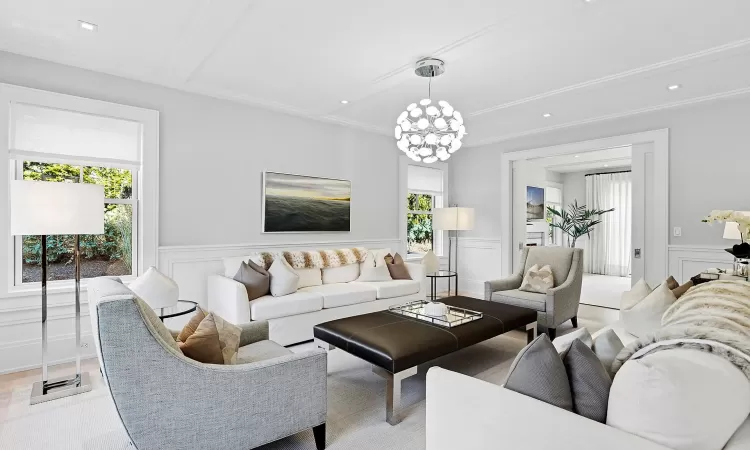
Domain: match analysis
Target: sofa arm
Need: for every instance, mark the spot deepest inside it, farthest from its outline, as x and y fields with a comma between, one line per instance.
x=228, y=299
x=505, y=284
x=517, y=424
x=416, y=272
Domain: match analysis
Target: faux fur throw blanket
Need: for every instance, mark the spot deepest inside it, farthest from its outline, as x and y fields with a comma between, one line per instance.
x=324, y=259
x=712, y=317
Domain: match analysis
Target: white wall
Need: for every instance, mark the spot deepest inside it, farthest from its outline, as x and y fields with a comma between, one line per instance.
x=212, y=153
x=709, y=162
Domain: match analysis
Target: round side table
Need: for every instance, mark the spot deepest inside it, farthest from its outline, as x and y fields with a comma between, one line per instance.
x=180, y=309
x=434, y=276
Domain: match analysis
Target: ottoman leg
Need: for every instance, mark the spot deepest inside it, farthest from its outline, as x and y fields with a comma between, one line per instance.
x=530, y=332
x=393, y=392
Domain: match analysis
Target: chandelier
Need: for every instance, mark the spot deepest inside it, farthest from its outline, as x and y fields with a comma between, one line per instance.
x=429, y=131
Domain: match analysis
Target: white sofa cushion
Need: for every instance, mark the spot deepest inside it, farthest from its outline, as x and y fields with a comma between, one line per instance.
x=309, y=277
x=284, y=279
x=644, y=317
x=681, y=398
x=393, y=288
x=343, y=274
x=342, y=294
x=270, y=307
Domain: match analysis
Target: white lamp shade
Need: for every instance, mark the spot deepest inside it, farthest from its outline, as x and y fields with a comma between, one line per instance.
x=156, y=289
x=732, y=231
x=41, y=207
x=453, y=219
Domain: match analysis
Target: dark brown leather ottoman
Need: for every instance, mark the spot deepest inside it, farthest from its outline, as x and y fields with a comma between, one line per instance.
x=395, y=345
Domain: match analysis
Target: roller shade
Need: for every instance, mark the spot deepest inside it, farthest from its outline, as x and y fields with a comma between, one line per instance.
x=425, y=179
x=40, y=132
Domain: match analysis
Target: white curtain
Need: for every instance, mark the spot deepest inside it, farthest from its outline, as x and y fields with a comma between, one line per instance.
x=608, y=252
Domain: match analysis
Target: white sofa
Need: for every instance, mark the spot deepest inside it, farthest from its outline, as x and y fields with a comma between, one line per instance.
x=490, y=417
x=336, y=295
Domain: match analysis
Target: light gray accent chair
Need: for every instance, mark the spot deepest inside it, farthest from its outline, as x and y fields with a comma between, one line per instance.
x=166, y=400
x=560, y=303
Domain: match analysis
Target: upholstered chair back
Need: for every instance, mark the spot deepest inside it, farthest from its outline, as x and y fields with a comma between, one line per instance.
x=558, y=258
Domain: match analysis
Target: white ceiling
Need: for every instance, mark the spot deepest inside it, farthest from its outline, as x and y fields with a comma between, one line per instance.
x=507, y=61
x=609, y=159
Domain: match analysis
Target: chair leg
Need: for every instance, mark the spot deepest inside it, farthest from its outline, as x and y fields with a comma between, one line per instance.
x=574, y=320
x=320, y=436
x=551, y=332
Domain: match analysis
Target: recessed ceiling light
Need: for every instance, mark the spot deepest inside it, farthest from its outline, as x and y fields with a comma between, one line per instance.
x=88, y=26
x=546, y=115
x=344, y=101
x=577, y=156
x=674, y=87
x=606, y=165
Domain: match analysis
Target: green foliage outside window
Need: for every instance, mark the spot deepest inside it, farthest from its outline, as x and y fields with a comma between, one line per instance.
x=115, y=243
x=419, y=226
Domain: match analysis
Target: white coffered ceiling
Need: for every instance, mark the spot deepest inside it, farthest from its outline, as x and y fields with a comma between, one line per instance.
x=507, y=61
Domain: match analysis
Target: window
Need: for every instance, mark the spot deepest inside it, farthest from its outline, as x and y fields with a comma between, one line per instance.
x=60, y=138
x=553, y=199
x=425, y=193
x=110, y=254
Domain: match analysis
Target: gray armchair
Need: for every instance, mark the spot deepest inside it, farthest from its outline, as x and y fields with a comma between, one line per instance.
x=560, y=303
x=166, y=400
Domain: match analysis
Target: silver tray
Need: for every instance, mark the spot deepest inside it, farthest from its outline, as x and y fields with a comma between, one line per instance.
x=456, y=316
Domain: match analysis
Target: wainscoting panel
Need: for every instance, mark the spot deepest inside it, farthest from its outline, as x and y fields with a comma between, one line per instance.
x=191, y=265
x=478, y=261
x=687, y=261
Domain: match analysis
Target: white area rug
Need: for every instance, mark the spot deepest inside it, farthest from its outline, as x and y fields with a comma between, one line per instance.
x=603, y=290
x=356, y=407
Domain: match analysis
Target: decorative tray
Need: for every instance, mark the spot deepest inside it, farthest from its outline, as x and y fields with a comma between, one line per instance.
x=455, y=316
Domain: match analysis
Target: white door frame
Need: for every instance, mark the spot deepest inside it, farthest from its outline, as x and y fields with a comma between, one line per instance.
x=660, y=141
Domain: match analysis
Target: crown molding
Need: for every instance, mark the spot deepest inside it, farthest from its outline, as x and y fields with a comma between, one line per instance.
x=634, y=112
x=628, y=73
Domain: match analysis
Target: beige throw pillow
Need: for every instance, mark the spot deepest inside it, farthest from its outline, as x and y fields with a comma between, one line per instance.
x=212, y=341
x=284, y=279
x=397, y=267
x=644, y=317
x=538, y=280
x=637, y=293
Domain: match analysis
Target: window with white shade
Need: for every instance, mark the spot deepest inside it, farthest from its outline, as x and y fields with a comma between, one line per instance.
x=65, y=139
x=425, y=193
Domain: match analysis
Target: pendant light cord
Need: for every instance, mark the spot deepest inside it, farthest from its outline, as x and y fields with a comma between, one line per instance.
x=429, y=88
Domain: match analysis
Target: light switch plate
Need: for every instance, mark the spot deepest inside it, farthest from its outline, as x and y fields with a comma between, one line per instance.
x=677, y=231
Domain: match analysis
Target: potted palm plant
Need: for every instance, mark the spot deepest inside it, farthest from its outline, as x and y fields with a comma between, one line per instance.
x=576, y=221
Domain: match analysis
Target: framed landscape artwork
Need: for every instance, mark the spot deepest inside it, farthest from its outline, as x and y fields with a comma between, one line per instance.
x=299, y=203
x=534, y=203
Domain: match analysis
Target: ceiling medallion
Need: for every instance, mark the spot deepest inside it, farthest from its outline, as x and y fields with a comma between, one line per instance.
x=429, y=131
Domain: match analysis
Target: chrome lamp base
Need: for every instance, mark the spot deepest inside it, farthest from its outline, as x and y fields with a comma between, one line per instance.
x=60, y=387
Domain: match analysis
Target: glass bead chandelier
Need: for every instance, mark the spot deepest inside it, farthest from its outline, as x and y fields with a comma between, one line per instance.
x=428, y=131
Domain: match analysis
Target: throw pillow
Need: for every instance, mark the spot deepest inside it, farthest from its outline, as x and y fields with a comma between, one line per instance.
x=214, y=341
x=192, y=325
x=309, y=277
x=637, y=293
x=375, y=273
x=343, y=274
x=679, y=291
x=672, y=283
x=645, y=316
x=397, y=267
x=563, y=343
x=283, y=278
x=683, y=399
x=538, y=280
x=606, y=346
x=538, y=372
x=589, y=382
x=257, y=280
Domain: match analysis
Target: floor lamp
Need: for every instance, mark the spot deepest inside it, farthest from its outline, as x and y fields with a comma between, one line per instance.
x=46, y=208
x=456, y=219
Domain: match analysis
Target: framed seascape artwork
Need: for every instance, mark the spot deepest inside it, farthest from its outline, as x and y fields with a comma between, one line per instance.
x=534, y=203
x=299, y=203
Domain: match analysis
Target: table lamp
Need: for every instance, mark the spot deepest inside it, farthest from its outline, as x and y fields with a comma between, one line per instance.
x=47, y=208
x=453, y=218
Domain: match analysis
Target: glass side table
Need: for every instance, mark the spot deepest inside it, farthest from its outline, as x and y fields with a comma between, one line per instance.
x=434, y=276
x=180, y=309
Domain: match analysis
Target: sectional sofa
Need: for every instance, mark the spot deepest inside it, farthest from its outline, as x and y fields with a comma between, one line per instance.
x=323, y=295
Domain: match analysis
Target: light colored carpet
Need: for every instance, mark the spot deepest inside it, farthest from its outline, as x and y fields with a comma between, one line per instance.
x=356, y=406
x=603, y=290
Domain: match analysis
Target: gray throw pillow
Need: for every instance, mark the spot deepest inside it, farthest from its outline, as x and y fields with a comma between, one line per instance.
x=589, y=382
x=606, y=347
x=256, y=279
x=538, y=372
